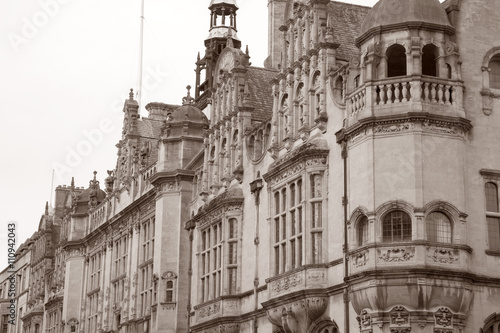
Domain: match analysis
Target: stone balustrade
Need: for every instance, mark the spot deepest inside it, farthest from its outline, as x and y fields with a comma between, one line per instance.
x=424, y=93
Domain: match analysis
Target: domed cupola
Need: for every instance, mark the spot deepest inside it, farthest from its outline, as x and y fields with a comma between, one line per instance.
x=404, y=14
x=181, y=135
x=408, y=60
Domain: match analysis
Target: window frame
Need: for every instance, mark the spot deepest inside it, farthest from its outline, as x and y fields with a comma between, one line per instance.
x=288, y=226
x=492, y=217
x=451, y=227
x=383, y=223
x=219, y=253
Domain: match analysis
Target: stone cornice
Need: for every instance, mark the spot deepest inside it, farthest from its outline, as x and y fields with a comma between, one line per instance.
x=296, y=159
x=402, y=26
x=164, y=176
x=363, y=123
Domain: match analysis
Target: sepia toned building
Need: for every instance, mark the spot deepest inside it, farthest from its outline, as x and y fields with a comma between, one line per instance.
x=349, y=185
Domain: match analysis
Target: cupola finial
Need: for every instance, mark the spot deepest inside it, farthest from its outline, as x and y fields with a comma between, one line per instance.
x=188, y=100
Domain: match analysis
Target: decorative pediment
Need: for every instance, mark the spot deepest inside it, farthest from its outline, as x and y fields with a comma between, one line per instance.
x=310, y=154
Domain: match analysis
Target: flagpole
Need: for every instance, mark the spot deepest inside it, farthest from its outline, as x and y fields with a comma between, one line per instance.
x=141, y=48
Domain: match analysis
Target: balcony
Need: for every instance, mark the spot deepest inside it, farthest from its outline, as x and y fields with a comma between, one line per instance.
x=303, y=278
x=220, y=307
x=406, y=94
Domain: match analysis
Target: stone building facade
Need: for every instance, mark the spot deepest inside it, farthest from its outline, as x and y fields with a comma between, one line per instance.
x=349, y=185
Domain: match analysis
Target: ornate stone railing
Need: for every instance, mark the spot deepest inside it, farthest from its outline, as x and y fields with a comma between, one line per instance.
x=411, y=254
x=392, y=91
x=357, y=101
x=414, y=93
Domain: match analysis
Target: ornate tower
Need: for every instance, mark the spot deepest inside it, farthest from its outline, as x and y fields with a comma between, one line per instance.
x=406, y=136
x=221, y=34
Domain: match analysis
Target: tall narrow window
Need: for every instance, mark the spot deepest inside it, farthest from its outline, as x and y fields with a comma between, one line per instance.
x=494, y=67
x=316, y=216
x=147, y=236
x=396, y=227
x=362, y=231
x=438, y=228
x=492, y=216
x=211, y=262
x=396, y=60
x=288, y=229
x=429, y=60
x=169, y=292
x=232, y=267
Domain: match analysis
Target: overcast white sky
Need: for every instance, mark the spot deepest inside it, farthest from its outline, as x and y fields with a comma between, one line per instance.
x=66, y=67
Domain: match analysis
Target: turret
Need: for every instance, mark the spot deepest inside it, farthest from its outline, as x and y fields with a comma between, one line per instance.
x=222, y=33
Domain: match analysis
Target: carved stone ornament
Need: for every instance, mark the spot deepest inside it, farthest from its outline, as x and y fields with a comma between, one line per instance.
x=392, y=128
x=443, y=256
x=360, y=259
x=400, y=320
x=169, y=275
x=286, y=283
x=297, y=316
x=487, y=97
x=396, y=254
x=439, y=127
x=209, y=310
x=443, y=317
x=364, y=321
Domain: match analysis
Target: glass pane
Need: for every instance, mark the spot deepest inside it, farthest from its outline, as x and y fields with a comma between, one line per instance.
x=277, y=260
x=292, y=195
x=494, y=233
x=363, y=231
x=283, y=227
x=438, y=228
x=316, y=247
x=491, y=192
x=396, y=227
x=316, y=186
x=495, y=72
x=299, y=190
x=316, y=215
x=277, y=202
x=277, y=229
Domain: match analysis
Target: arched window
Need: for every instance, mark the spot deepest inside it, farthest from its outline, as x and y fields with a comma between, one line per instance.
x=438, y=228
x=448, y=71
x=396, y=227
x=317, y=95
x=362, y=229
x=429, y=60
x=339, y=89
x=396, y=60
x=169, y=297
x=267, y=137
x=259, y=142
x=356, y=81
x=251, y=147
x=494, y=67
x=492, y=323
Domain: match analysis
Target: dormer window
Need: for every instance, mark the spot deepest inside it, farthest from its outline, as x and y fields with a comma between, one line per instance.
x=396, y=60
